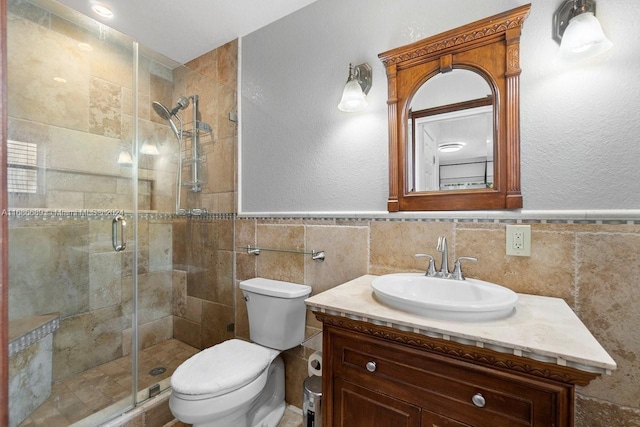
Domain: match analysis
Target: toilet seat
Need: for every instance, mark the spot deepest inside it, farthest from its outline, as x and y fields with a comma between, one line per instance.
x=221, y=369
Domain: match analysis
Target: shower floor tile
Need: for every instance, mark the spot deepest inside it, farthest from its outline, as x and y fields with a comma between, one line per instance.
x=84, y=394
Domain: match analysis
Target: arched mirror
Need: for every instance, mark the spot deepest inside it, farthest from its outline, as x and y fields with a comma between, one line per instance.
x=454, y=127
x=450, y=134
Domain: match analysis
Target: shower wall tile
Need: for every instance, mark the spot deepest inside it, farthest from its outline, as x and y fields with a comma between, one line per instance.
x=71, y=150
x=160, y=242
x=50, y=264
x=64, y=200
x=220, y=156
x=226, y=103
x=188, y=332
x=149, y=334
x=105, y=279
x=29, y=379
x=179, y=283
x=161, y=91
x=226, y=202
x=227, y=64
x=215, y=319
x=105, y=106
x=112, y=63
x=206, y=64
x=193, y=311
x=35, y=51
x=87, y=340
x=155, y=291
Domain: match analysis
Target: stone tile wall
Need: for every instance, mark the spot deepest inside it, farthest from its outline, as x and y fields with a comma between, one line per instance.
x=75, y=103
x=593, y=267
x=68, y=266
x=203, y=301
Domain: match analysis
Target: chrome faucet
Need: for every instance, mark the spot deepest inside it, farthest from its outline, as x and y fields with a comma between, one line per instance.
x=431, y=269
x=444, y=265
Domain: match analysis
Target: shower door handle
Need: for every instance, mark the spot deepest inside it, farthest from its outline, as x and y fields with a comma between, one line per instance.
x=123, y=233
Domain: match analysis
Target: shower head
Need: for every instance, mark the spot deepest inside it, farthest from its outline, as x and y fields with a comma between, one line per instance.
x=161, y=110
x=181, y=104
x=164, y=112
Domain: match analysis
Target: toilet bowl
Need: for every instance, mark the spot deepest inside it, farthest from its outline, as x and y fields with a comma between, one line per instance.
x=238, y=383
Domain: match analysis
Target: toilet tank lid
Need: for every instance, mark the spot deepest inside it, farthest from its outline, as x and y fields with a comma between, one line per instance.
x=275, y=288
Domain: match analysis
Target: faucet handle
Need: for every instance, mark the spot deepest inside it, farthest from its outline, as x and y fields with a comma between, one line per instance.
x=457, y=267
x=431, y=270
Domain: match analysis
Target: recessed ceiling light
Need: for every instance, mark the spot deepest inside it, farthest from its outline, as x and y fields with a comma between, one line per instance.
x=450, y=147
x=102, y=10
x=60, y=79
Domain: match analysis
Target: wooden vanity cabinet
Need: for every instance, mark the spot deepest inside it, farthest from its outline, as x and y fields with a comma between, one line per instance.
x=375, y=376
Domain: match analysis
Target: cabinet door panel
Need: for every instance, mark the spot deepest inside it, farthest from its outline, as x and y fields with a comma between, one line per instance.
x=447, y=386
x=355, y=406
x=431, y=419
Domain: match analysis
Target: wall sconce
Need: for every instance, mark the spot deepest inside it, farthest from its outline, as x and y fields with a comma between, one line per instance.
x=358, y=85
x=578, y=31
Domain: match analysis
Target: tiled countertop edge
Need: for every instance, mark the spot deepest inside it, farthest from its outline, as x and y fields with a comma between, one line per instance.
x=466, y=341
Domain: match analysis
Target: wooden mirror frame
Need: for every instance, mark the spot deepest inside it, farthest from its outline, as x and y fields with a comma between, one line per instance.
x=489, y=47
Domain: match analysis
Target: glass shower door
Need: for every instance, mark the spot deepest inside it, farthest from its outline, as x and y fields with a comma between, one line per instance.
x=70, y=173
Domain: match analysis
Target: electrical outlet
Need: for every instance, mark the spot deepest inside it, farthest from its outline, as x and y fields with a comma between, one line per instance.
x=518, y=240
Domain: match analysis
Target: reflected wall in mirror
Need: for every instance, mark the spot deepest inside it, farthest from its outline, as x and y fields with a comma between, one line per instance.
x=450, y=133
x=454, y=125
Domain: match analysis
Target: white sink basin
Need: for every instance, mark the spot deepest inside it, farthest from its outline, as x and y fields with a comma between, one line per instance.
x=464, y=300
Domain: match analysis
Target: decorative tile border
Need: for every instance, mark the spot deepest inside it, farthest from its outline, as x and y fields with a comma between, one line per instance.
x=24, y=341
x=100, y=215
x=614, y=217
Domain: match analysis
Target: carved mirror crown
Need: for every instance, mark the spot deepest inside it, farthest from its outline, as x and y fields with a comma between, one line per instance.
x=489, y=48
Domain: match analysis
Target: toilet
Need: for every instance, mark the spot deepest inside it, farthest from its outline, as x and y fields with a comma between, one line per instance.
x=238, y=383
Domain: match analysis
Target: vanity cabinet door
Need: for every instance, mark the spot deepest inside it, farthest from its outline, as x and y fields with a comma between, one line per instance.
x=356, y=406
x=367, y=373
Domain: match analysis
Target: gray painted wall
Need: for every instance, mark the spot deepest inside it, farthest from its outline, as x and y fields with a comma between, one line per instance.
x=579, y=132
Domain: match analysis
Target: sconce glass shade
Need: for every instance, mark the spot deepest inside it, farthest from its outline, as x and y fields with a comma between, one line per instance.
x=583, y=38
x=125, y=159
x=357, y=87
x=149, y=148
x=352, y=98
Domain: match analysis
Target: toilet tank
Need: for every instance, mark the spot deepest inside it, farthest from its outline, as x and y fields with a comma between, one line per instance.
x=277, y=312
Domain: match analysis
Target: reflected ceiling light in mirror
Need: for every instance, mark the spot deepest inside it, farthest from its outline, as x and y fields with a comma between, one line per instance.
x=149, y=148
x=125, y=159
x=357, y=87
x=450, y=147
x=578, y=31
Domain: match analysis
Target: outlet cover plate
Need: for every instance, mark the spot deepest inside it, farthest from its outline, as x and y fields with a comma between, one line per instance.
x=518, y=240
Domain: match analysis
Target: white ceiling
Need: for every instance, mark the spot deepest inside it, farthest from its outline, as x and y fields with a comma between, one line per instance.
x=183, y=30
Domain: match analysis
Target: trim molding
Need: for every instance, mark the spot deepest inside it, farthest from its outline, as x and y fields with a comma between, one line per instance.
x=608, y=216
x=480, y=356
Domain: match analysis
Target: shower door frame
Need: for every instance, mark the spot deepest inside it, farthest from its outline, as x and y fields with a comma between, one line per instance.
x=4, y=228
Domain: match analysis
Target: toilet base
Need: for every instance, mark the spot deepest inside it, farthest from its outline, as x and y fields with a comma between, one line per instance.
x=266, y=411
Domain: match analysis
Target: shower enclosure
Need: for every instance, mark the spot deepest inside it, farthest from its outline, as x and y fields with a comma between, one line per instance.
x=99, y=171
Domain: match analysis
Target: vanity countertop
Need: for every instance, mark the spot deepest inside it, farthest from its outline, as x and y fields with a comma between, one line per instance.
x=541, y=328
